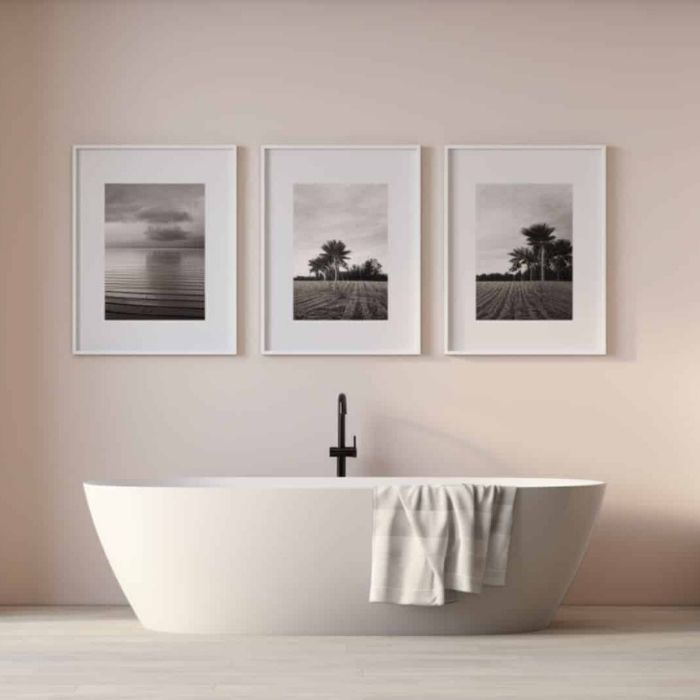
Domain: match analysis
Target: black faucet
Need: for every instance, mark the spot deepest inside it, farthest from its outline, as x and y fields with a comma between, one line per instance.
x=341, y=452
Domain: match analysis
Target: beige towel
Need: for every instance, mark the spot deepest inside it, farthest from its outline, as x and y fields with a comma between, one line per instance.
x=431, y=541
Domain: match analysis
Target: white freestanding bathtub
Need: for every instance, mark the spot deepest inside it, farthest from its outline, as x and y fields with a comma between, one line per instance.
x=292, y=555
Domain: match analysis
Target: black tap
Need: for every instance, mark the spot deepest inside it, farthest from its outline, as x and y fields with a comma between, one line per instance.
x=341, y=452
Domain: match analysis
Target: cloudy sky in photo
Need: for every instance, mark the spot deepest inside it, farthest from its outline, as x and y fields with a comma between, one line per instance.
x=503, y=209
x=154, y=216
x=352, y=213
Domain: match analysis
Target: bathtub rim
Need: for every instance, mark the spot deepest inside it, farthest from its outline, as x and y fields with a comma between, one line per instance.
x=335, y=483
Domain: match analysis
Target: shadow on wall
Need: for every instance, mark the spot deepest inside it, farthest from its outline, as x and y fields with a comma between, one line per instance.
x=407, y=448
x=604, y=621
x=621, y=309
x=660, y=550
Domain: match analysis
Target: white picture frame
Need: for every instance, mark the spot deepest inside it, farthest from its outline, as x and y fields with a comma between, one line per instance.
x=184, y=274
x=329, y=177
x=526, y=178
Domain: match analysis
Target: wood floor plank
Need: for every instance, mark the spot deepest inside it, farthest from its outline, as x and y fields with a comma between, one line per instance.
x=591, y=652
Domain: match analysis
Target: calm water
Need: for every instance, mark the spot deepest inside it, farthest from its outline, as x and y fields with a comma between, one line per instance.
x=154, y=283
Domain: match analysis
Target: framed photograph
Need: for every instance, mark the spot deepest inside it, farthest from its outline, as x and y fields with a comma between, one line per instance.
x=340, y=240
x=154, y=250
x=525, y=250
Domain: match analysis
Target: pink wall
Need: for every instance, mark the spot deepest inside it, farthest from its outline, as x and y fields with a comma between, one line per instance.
x=620, y=73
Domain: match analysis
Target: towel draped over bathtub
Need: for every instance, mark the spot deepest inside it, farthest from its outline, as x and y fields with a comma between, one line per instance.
x=431, y=541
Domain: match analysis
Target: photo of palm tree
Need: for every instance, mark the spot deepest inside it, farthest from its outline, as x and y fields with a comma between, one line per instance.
x=340, y=252
x=524, y=252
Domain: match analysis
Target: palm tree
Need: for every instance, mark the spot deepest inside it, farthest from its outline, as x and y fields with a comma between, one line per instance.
x=538, y=235
x=519, y=258
x=336, y=254
x=561, y=255
x=516, y=261
x=522, y=257
x=318, y=266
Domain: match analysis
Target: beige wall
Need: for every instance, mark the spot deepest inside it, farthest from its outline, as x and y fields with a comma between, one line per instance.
x=620, y=73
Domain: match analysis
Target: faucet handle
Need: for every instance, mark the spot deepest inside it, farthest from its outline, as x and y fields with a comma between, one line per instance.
x=345, y=451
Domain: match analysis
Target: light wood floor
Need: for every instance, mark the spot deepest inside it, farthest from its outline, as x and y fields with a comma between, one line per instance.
x=592, y=652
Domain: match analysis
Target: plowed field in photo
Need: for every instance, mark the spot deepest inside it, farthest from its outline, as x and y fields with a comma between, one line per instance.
x=347, y=300
x=524, y=301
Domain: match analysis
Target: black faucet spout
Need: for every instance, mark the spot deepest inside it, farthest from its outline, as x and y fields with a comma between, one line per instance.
x=342, y=452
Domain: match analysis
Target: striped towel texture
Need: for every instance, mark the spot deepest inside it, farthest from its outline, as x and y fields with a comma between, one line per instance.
x=431, y=541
